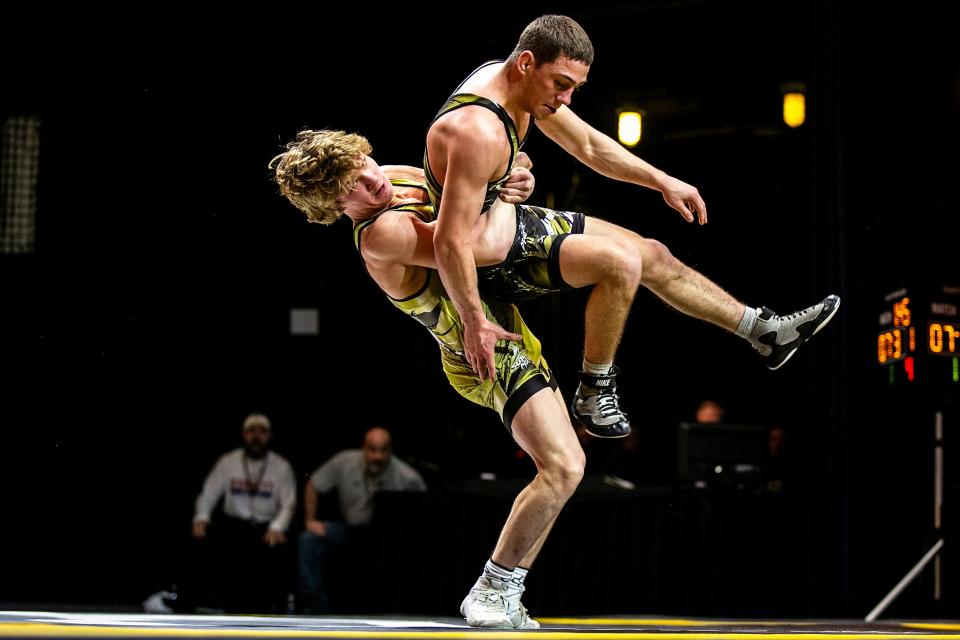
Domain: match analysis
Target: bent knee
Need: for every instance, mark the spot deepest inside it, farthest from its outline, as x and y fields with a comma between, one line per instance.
x=658, y=262
x=565, y=474
x=623, y=264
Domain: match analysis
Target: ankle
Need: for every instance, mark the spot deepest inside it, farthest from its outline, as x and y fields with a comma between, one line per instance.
x=495, y=571
x=601, y=369
x=593, y=383
x=516, y=585
x=747, y=323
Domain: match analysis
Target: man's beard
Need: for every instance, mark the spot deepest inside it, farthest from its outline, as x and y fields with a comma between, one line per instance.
x=256, y=451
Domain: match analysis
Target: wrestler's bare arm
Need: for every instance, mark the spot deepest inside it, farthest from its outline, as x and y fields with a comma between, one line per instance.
x=604, y=155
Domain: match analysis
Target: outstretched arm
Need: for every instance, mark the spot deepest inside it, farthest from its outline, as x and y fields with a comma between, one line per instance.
x=604, y=155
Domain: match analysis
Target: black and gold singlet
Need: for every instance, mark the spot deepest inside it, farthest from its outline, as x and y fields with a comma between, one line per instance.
x=521, y=368
x=458, y=101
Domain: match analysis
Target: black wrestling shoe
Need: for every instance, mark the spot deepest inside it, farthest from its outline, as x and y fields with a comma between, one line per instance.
x=597, y=406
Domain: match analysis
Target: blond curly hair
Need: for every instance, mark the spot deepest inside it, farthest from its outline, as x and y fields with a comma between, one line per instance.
x=317, y=168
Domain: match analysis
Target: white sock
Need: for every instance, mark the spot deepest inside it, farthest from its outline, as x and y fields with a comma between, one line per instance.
x=747, y=323
x=596, y=369
x=516, y=582
x=495, y=571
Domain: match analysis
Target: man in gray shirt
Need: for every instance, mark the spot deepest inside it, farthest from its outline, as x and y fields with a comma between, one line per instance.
x=357, y=475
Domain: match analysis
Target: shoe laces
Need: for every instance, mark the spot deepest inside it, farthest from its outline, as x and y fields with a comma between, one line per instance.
x=791, y=317
x=608, y=404
x=798, y=314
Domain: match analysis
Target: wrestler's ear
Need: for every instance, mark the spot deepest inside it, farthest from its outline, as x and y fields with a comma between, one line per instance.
x=525, y=60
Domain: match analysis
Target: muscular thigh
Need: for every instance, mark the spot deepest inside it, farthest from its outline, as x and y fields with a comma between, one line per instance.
x=596, y=227
x=601, y=251
x=522, y=370
x=542, y=427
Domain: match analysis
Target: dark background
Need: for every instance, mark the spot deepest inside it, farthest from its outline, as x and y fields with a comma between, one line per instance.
x=154, y=313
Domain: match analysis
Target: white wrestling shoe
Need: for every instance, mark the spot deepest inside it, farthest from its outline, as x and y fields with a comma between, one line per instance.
x=486, y=605
x=518, y=613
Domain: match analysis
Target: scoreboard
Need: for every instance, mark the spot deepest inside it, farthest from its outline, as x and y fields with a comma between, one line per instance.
x=919, y=336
